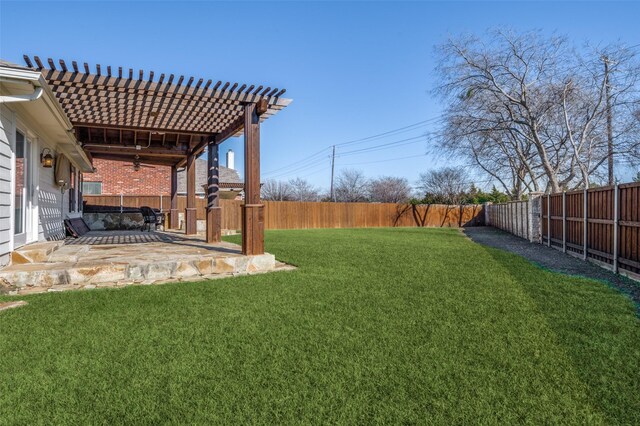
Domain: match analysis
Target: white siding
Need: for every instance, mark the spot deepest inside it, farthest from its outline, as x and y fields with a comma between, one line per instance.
x=7, y=132
x=50, y=204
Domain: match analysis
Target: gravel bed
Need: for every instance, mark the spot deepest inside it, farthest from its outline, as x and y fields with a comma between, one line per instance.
x=552, y=259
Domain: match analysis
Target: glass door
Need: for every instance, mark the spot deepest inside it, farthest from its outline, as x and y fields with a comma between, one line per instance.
x=21, y=189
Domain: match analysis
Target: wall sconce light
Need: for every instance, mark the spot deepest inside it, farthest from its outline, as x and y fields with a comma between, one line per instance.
x=46, y=159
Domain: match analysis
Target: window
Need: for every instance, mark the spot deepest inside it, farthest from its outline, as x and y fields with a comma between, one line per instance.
x=92, y=188
x=20, y=183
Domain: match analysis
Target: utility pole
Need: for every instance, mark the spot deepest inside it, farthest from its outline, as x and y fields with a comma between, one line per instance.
x=609, y=120
x=333, y=164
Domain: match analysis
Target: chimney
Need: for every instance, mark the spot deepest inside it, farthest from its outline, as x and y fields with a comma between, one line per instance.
x=230, y=160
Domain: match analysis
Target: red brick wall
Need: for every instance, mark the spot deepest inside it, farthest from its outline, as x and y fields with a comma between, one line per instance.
x=118, y=177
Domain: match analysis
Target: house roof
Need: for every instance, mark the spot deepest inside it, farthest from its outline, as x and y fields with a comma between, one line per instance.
x=7, y=64
x=26, y=90
x=113, y=110
x=229, y=178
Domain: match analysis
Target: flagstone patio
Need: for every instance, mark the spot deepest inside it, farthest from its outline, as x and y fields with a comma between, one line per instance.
x=119, y=258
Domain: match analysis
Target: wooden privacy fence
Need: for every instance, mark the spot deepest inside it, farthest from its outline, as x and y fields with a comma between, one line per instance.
x=601, y=224
x=305, y=215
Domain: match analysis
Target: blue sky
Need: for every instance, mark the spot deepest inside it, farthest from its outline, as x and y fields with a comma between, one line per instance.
x=353, y=69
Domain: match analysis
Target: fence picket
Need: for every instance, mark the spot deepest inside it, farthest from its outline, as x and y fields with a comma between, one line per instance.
x=599, y=224
x=615, y=227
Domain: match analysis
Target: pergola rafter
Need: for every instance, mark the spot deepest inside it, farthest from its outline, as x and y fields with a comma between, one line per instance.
x=169, y=121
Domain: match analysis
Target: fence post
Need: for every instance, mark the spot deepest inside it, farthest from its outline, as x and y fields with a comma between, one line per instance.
x=615, y=228
x=487, y=215
x=564, y=221
x=549, y=220
x=534, y=217
x=585, y=207
x=160, y=203
x=121, y=196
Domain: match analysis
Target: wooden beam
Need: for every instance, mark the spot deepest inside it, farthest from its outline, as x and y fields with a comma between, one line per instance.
x=214, y=213
x=131, y=151
x=154, y=149
x=262, y=106
x=174, y=222
x=191, y=222
x=27, y=61
x=158, y=161
x=218, y=138
x=198, y=148
x=136, y=128
x=253, y=211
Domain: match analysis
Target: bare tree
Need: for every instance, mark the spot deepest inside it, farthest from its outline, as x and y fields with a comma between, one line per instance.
x=448, y=184
x=276, y=190
x=530, y=111
x=388, y=189
x=301, y=190
x=351, y=186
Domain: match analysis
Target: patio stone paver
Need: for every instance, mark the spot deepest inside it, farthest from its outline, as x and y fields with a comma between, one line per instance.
x=116, y=258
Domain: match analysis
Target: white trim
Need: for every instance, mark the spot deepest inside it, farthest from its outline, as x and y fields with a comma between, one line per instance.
x=31, y=213
x=22, y=98
x=11, y=135
x=7, y=72
x=70, y=144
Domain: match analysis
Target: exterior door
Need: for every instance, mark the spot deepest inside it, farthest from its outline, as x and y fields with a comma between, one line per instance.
x=22, y=193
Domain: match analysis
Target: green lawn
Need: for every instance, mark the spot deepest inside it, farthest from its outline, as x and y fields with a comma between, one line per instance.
x=384, y=325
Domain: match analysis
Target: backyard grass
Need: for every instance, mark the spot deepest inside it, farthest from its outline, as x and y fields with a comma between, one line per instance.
x=376, y=325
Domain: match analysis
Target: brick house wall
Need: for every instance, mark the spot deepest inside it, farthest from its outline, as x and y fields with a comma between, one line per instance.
x=118, y=177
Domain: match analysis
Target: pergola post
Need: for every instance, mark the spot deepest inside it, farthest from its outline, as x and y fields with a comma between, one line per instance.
x=253, y=210
x=190, y=214
x=174, y=222
x=214, y=213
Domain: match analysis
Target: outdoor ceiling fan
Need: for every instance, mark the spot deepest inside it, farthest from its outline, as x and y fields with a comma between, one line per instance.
x=137, y=164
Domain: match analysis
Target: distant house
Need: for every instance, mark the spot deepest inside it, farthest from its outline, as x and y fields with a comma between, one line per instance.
x=118, y=177
x=230, y=183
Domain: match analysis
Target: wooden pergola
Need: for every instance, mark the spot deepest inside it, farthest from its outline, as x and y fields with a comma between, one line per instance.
x=127, y=116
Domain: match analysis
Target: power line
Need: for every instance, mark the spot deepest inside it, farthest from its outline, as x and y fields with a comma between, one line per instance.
x=299, y=162
x=404, y=129
x=296, y=170
x=383, y=146
x=387, y=160
x=316, y=157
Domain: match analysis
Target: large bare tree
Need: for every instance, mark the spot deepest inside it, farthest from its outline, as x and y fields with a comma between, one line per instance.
x=351, y=186
x=302, y=190
x=389, y=189
x=276, y=190
x=447, y=185
x=531, y=112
